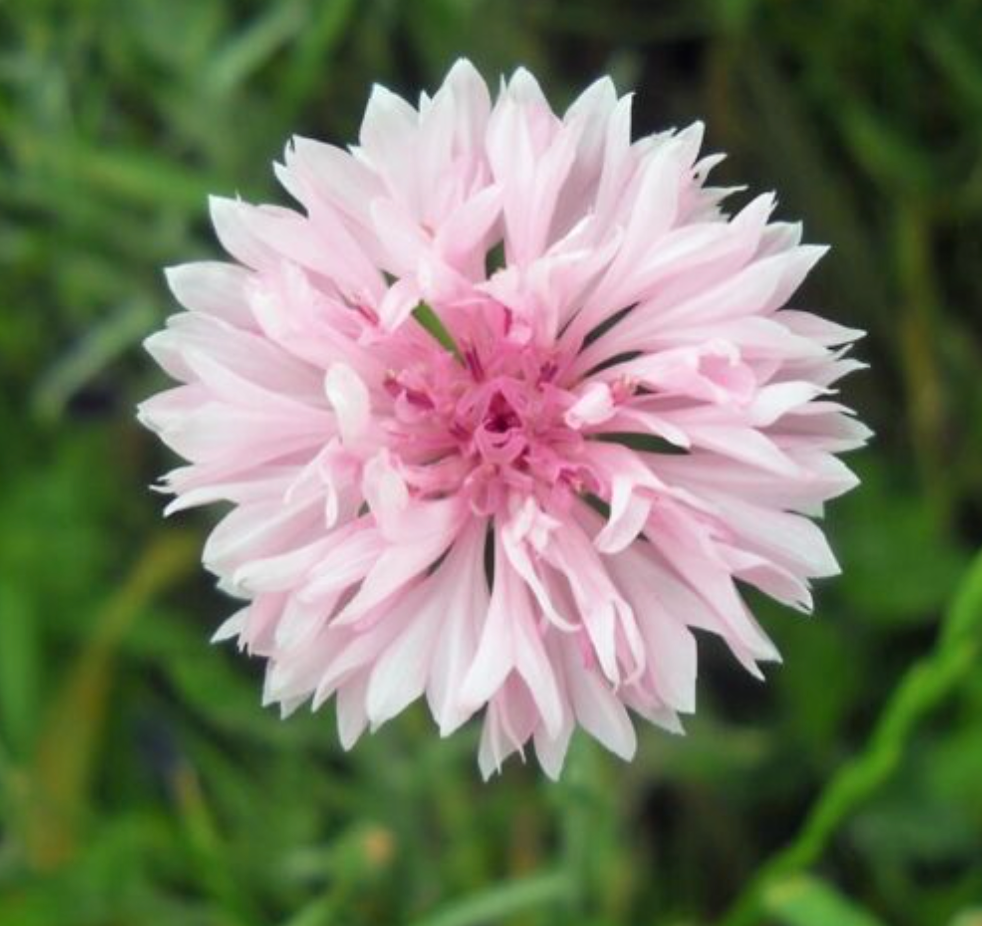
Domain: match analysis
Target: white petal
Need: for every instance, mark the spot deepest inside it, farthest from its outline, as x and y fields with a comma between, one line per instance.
x=349, y=397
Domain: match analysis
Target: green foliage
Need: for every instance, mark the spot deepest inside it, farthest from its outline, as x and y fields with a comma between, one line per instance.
x=141, y=781
x=807, y=901
x=434, y=326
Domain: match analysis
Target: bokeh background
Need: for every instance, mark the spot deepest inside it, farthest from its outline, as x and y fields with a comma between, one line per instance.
x=140, y=780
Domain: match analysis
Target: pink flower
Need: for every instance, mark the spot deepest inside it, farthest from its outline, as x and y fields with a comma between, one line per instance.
x=514, y=489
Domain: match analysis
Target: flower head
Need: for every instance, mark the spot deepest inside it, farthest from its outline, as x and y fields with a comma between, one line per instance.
x=503, y=414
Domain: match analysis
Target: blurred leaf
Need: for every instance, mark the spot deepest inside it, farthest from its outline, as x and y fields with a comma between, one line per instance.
x=805, y=901
x=821, y=653
x=926, y=684
x=884, y=531
x=321, y=912
x=251, y=47
x=312, y=64
x=503, y=900
x=891, y=158
x=180, y=35
x=749, y=90
x=956, y=59
x=968, y=918
x=134, y=175
x=911, y=827
x=955, y=770
x=100, y=346
x=66, y=744
x=210, y=859
x=20, y=669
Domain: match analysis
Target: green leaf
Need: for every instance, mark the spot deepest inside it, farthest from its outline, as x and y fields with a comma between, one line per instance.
x=644, y=443
x=494, y=260
x=883, y=530
x=85, y=360
x=890, y=157
x=808, y=901
x=502, y=900
x=607, y=325
x=597, y=504
x=432, y=322
x=972, y=917
x=130, y=174
x=252, y=47
x=312, y=61
x=20, y=655
x=957, y=60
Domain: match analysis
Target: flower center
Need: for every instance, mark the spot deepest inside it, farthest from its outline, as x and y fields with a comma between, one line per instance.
x=489, y=426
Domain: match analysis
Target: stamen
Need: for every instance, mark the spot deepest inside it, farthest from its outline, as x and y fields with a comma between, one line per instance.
x=473, y=361
x=416, y=397
x=623, y=388
x=368, y=313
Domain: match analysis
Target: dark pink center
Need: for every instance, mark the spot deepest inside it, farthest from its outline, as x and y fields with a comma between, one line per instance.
x=489, y=425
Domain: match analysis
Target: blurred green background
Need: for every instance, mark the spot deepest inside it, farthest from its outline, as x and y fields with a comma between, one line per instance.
x=140, y=780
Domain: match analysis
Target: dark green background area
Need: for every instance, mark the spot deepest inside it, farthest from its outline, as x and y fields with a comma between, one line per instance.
x=140, y=780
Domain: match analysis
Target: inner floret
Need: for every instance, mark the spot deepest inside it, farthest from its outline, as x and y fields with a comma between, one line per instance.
x=490, y=421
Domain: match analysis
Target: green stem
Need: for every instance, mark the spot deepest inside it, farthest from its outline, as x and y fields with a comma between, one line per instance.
x=927, y=683
x=67, y=746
